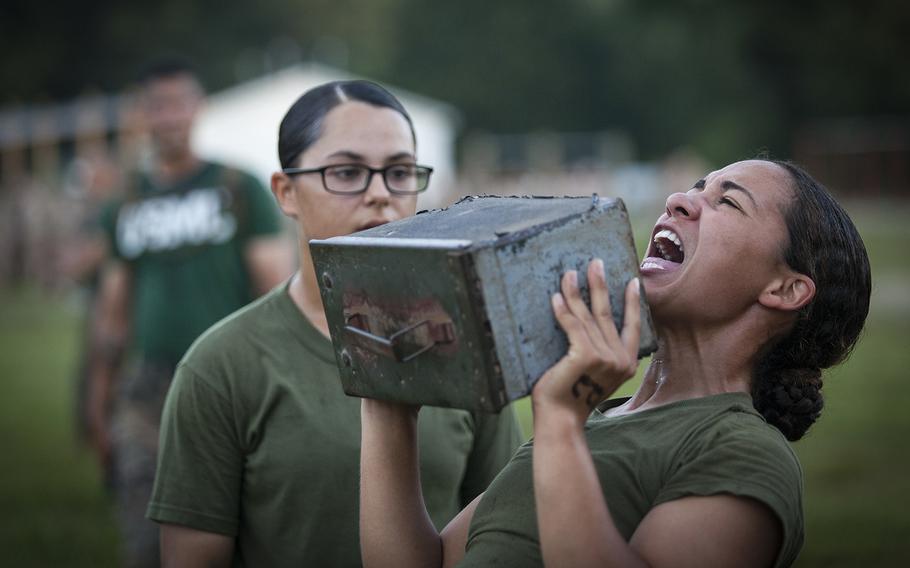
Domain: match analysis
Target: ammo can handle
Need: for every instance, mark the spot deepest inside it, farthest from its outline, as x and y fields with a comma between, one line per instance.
x=391, y=346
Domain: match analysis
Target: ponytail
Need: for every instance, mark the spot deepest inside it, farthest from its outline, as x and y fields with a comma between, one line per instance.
x=825, y=246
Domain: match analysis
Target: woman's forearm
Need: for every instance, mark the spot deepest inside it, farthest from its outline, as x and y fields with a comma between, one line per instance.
x=575, y=525
x=395, y=529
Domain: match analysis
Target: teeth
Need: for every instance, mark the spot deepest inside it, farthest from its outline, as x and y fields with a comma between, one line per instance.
x=670, y=236
x=649, y=264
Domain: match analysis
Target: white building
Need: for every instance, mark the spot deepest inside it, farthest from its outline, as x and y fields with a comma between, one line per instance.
x=240, y=125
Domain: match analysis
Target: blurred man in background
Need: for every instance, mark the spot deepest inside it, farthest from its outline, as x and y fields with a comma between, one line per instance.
x=190, y=242
x=92, y=180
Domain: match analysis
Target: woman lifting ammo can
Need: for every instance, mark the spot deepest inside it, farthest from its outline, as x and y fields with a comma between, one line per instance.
x=757, y=280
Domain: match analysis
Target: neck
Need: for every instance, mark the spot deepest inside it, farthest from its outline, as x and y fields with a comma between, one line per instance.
x=170, y=168
x=693, y=363
x=304, y=290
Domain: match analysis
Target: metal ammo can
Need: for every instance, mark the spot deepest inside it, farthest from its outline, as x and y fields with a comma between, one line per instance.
x=451, y=307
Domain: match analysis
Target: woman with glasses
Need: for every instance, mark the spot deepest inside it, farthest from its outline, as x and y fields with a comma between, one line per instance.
x=260, y=447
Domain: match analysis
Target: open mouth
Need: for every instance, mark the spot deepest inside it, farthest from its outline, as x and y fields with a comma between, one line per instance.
x=669, y=246
x=666, y=251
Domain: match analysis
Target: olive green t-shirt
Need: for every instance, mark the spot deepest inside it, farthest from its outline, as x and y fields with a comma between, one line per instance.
x=704, y=446
x=259, y=442
x=185, y=243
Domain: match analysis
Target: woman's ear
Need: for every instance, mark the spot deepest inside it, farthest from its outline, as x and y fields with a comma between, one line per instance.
x=284, y=191
x=789, y=293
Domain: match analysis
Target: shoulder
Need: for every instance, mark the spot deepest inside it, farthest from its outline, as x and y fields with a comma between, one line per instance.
x=134, y=182
x=229, y=348
x=746, y=431
x=737, y=453
x=735, y=442
x=236, y=178
x=742, y=455
x=108, y=211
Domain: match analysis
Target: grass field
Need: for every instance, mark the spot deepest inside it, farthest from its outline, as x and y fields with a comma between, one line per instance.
x=53, y=511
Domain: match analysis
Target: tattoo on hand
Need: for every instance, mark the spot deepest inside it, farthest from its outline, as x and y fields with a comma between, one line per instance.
x=595, y=391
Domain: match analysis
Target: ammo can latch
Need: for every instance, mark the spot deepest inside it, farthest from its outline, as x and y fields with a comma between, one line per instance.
x=431, y=327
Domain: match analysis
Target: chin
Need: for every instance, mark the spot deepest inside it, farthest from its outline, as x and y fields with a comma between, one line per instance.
x=172, y=141
x=663, y=295
x=659, y=284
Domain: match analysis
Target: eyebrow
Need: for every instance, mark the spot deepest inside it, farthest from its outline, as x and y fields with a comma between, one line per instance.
x=360, y=158
x=400, y=156
x=727, y=186
x=345, y=154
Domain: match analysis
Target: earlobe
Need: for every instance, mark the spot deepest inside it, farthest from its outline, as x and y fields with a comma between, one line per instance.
x=283, y=190
x=789, y=293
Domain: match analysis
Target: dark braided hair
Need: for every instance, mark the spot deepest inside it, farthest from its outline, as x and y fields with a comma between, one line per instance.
x=825, y=246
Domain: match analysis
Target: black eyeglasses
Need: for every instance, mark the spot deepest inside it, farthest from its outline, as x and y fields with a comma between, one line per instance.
x=349, y=179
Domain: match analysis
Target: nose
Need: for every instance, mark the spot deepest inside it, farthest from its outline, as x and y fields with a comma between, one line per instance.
x=377, y=194
x=682, y=205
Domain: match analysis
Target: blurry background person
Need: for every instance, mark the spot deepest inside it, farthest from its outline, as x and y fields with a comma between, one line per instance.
x=259, y=444
x=190, y=241
x=92, y=180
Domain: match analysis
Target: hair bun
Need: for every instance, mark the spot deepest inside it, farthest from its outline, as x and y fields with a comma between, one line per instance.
x=792, y=401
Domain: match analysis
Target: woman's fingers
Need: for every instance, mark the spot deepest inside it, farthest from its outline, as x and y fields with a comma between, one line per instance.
x=594, y=337
x=569, y=322
x=600, y=303
x=579, y=308
x=600, y=358
x=570, y=292
x=582, y=352
x=631, y=326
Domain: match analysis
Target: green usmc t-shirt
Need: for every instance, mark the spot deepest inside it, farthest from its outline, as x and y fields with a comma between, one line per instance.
x=704, y=446
x=259, y=442
x=185, y=243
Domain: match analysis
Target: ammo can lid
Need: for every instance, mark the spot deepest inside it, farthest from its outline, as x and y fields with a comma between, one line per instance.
x=481, y=221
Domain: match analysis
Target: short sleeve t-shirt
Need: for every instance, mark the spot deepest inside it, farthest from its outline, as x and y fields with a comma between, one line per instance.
x=698, y=447
x=259, y=442
x=185, y=243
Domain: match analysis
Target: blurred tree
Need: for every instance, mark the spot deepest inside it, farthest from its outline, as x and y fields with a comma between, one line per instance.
x=725, y=76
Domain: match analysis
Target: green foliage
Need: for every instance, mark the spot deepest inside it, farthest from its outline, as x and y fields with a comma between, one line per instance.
x=726, y=77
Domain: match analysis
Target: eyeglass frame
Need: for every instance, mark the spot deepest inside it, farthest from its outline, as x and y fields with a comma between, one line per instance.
x=321, y=171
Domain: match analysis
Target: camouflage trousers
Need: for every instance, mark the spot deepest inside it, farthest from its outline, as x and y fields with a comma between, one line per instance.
x=134, y=437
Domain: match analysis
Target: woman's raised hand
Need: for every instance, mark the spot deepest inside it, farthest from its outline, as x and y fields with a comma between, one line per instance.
x=600, y=358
